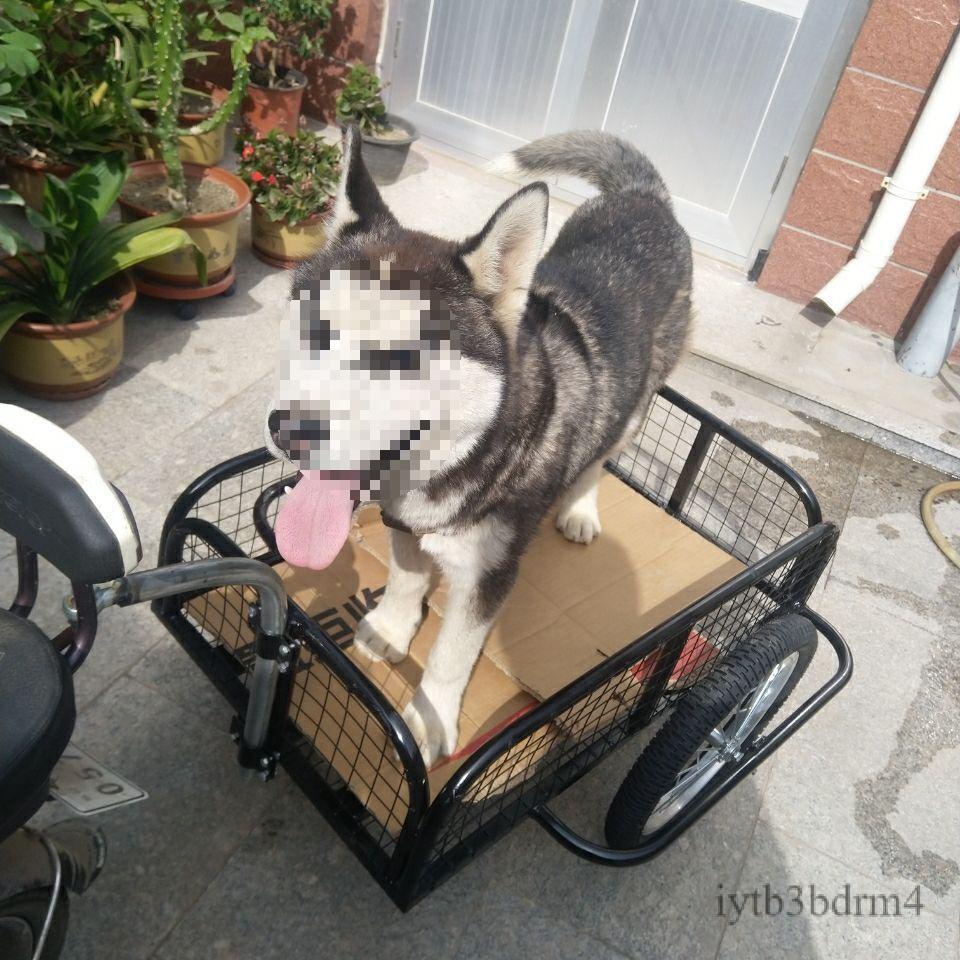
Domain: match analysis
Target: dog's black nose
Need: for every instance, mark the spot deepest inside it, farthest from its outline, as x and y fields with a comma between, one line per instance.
x=273, y=422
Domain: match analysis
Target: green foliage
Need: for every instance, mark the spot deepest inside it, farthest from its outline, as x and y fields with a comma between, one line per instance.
x=168, y=54
x=19, y=46
x=361, y=102
x=292, y=178
x=67, y=120
x=295, y=25
x=79, y=253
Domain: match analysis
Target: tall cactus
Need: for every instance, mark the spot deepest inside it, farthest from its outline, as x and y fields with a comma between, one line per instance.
x=170, y=49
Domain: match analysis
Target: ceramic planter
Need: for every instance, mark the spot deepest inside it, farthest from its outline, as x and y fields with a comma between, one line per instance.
x=68, y=361
x=205, y=149
x=27, y=177
x=385, y=158
x=277, y=243
x=265, y=108
x=174, y=275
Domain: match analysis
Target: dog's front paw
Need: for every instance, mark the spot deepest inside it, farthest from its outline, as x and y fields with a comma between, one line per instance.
x=580, y=523
x=382, y=635
x=432, y=726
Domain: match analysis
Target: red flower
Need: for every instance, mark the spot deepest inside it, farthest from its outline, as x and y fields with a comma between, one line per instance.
x=272, y=180
x=247, y=151
x=256, y=176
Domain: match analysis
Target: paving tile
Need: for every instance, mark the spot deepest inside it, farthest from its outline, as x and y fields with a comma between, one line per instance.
x=167, y=669
x=777, y=862
x=234, y=427
x=870, y=779
x=135, y=418
x=231, y=343
x=659, y=909
x=507, y=927
x=166, y=850
x=293, y=890
x=886, y=551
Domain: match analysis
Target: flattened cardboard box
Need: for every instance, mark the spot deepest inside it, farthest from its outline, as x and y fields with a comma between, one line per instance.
x=572, y=607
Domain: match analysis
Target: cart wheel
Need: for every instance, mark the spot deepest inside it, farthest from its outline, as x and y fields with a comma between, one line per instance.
x=230, y=291
x=185, y=309
x=713, y=724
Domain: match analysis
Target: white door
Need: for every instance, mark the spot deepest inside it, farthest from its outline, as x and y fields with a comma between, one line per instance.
x=716, y=92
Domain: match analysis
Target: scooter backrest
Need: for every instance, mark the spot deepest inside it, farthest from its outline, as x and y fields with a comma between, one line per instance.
x=55, y=498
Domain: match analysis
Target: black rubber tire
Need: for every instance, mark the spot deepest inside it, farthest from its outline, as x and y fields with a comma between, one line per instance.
x=230, y=291
x=698, y=712
x=32, y=908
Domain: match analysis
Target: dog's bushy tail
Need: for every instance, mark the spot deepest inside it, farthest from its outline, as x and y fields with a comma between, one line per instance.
x=600, y=158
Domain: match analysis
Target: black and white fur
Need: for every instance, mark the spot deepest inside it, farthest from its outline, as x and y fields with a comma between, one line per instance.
x=561, y=358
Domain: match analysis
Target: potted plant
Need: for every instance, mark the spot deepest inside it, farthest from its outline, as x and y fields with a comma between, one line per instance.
x=386, y=138
x=68, y=123
x=275, y=92
x=62, y=305
x=208, y=201
x=292, y=179
x=199, y=101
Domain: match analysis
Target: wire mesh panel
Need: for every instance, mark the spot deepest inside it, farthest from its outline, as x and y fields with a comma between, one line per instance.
x=625, y=696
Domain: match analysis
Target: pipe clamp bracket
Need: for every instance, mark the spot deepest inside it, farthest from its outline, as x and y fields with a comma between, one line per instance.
x=903, y=193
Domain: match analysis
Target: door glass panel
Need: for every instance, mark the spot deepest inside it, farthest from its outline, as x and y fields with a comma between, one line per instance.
x=494, y=62
x=694, y=83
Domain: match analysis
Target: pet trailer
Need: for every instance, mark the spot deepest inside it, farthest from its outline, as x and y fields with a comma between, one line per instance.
x=693, y=618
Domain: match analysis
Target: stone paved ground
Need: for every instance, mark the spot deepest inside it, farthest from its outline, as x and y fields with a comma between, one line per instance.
x=213, y=866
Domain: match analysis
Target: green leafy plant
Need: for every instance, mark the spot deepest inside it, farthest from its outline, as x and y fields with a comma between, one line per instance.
x=61, y=280
x=291, y=178
x=19, y=46
x=297, y=26
x=169, y=52
x=361, y=101
x=67, y=121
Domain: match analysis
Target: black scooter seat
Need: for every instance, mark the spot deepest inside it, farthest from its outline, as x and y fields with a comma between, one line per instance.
x=37, y=714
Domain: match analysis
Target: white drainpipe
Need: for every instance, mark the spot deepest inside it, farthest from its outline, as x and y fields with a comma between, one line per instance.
x=902, y=190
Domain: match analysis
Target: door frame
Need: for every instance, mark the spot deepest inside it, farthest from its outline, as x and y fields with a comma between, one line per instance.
x=399, y=41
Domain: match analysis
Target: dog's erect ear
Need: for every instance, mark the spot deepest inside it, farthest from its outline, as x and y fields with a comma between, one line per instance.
x=358, y=199
x=501, y=258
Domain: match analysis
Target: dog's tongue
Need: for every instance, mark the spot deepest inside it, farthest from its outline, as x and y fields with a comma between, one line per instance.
x=314, y=520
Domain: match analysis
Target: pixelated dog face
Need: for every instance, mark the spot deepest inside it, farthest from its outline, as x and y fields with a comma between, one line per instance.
x=395, y=344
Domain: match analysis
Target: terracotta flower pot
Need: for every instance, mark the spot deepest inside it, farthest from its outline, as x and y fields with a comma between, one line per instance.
x=265, y=108
x=277, y=243
x=214, y=233
x=205, y=149
x=27, y=177
x=68, y=361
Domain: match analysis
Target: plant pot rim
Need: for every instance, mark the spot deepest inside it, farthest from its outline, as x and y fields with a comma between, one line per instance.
x=214, y=91
x=41, y=166
x=298, y=75
x=394, y=121
x=193, y=171
x=126, y=292
x=307, y=221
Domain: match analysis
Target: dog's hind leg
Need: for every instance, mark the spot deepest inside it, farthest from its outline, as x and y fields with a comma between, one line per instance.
x=386, y=632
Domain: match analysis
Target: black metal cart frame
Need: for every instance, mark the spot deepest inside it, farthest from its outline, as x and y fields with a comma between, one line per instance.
x=687, y=461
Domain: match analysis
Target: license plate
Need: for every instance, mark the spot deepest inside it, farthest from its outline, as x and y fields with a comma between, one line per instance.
x=86, y=786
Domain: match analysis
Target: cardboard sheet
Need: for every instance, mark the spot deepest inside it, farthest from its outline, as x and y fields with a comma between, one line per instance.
x=572, y=607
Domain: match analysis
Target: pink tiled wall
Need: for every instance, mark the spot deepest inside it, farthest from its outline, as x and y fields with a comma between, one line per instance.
x=894, y=61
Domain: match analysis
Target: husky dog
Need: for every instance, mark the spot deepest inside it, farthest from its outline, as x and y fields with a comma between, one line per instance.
x=469, y=386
